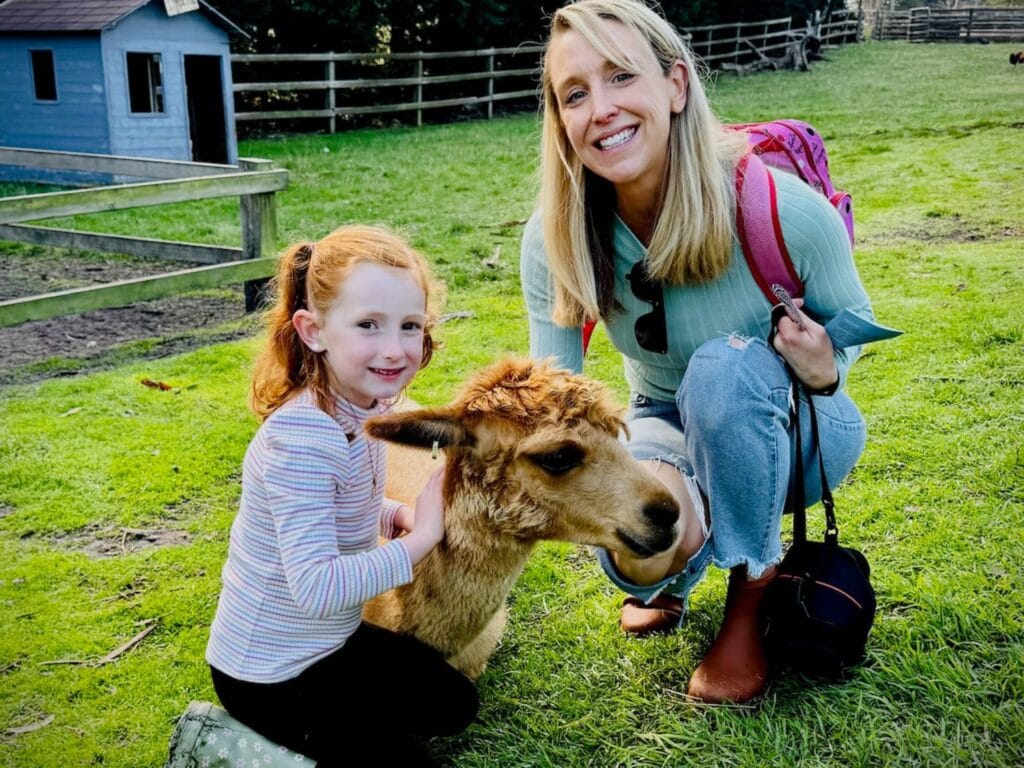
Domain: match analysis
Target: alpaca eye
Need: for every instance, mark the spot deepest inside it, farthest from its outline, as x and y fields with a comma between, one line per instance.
x=559, y=461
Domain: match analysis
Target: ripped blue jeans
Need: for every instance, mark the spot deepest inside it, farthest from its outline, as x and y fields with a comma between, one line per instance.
x=730, y=429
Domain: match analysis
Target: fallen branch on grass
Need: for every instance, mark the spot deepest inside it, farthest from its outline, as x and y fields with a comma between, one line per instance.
x=112, y=656
x=800, y=49
x=30, y=727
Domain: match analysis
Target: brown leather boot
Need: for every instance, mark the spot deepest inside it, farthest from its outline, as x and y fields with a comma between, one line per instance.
x=735, y=668
x=663, y=614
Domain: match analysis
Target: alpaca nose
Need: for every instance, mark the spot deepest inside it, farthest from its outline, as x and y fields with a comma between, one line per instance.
x=662, y=513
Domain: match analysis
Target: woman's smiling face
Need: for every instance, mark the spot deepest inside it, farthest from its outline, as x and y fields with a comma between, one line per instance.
x=616, y=119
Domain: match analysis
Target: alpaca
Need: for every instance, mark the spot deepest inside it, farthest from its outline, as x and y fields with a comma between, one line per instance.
x=531, y=453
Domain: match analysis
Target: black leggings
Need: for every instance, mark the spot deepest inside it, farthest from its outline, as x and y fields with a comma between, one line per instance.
x=382, y=689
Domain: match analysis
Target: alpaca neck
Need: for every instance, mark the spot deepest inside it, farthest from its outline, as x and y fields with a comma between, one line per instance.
x=467, y=577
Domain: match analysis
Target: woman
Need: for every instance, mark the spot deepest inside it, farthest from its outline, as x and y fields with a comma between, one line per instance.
x=636, y=227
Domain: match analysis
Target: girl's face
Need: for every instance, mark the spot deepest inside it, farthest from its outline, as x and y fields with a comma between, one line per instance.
x=372, y=336
x=615, y=119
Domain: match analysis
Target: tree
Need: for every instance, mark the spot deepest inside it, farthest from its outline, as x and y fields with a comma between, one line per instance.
x=439, y=25
x=287, y=26
x=697, y=13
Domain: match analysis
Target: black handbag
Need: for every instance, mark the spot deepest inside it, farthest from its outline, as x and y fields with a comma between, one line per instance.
x=818, y=611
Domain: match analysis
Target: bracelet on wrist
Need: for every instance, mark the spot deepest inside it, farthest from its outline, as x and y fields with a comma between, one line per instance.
x=826, y=391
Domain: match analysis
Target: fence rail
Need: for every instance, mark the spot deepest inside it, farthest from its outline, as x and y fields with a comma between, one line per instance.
x=369, y=72
x=253, y=181
x=772, y=36
x=926, y=24
x=333, y=86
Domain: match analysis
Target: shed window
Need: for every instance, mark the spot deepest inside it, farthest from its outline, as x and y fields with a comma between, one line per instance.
x=44, y=78
x=145, y=85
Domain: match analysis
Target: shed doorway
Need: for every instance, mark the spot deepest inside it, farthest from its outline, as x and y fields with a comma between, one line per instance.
x=207, y=129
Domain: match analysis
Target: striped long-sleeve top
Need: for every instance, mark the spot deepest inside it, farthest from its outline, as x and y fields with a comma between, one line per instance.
x=730, y=304
x=304, y=554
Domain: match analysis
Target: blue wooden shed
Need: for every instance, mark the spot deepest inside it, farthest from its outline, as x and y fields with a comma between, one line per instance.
x=143, y=78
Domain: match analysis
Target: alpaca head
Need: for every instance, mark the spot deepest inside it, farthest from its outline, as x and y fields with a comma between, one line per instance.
x=535, y=452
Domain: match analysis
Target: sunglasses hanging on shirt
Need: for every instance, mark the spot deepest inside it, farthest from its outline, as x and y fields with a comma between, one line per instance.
x=650, y=328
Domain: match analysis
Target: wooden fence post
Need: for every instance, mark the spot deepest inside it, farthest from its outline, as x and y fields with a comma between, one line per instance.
x=490, y=88
x=259, y=230
x=331, y=103
x=419, y=91
x=970, y=22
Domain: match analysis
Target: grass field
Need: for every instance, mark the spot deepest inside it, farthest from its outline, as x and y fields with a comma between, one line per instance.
x=928, y=138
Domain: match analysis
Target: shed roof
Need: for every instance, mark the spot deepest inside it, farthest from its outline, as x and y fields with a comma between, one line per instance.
x=81, y=15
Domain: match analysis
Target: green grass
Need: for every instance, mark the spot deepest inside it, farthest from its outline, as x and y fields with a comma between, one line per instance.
x=928, y=139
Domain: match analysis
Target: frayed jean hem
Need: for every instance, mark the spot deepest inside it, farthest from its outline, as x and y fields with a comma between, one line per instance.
x=755, y=569
x=679, y=584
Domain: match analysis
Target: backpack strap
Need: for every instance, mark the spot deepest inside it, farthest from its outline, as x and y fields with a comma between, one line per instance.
x=588, y=331
x=760, y=231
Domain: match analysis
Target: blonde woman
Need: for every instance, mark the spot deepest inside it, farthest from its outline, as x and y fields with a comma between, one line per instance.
x=635, y=227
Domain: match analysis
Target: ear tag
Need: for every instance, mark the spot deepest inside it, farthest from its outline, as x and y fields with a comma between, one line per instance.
x=433, y=451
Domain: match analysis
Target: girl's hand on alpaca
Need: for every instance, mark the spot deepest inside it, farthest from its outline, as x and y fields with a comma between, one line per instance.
x=428, y=518
x=429, y=512
x=405, y=519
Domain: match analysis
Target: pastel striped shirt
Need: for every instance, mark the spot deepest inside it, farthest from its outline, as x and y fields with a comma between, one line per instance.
x=731, y=303
x=304, y=554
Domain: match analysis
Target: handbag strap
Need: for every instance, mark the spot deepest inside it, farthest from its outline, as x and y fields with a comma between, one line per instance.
x=798, y=495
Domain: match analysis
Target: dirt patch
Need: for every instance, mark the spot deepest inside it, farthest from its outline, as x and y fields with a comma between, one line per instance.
x=27, y=271
x=110, y=541
x=179, y=323
x=946, y=229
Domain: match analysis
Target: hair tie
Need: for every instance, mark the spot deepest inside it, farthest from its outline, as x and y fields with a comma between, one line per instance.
x=303, y=256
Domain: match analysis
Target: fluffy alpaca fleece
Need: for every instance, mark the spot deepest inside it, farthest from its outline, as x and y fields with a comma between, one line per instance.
x=531, y=453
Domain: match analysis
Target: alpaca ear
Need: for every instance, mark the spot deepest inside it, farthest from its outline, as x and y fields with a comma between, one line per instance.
x=421, y=429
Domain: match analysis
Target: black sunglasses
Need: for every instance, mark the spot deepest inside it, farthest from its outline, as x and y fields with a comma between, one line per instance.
x=650, y=328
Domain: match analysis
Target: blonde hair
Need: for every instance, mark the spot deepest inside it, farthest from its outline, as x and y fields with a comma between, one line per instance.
x=694, y=243
x=309, y=276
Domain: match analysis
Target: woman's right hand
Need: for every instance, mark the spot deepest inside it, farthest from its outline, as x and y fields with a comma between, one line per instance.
x=428, y=521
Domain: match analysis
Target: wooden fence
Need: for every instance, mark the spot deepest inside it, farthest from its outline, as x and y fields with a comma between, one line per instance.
x=926, y=24
x=254, y=182
x=741, y=41
x=333, y=86
x=345, y=75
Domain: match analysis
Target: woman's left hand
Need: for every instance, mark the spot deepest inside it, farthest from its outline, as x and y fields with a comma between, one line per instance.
x=808, y=350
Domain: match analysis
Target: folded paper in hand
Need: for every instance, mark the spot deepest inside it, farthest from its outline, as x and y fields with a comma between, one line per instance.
x=848, y=329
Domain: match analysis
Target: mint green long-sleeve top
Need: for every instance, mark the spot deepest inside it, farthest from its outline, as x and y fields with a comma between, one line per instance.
x=731, y=304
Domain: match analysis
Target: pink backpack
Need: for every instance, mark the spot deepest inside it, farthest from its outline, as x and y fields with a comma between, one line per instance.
x=792, y=146
x=795, y=147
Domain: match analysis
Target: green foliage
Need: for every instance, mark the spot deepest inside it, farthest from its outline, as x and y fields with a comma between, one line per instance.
x=451, y=25
x=698, y=13
x=936, y=502
x=304, y=26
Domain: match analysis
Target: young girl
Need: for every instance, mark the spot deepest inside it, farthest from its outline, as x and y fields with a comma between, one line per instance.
x=350, y=329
